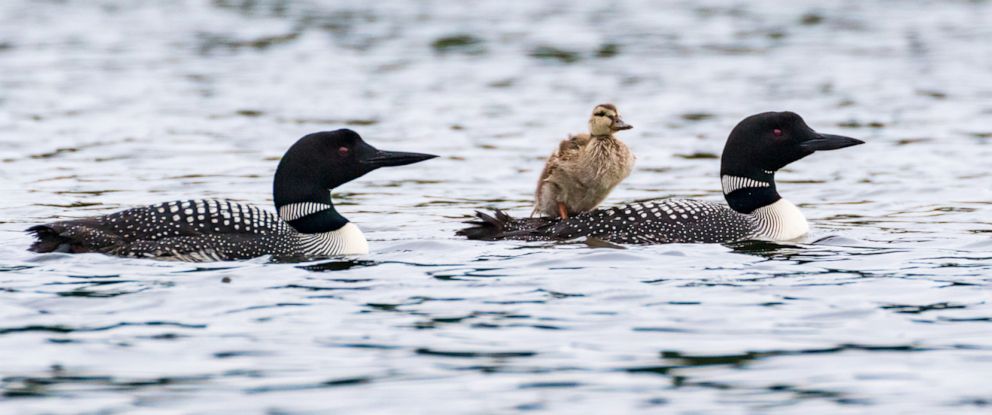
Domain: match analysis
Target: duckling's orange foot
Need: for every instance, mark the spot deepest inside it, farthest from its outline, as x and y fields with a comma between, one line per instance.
x=562, y=211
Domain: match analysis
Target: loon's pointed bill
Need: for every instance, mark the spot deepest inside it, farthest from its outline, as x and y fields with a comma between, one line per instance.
x=382, y=158
x=824, y=142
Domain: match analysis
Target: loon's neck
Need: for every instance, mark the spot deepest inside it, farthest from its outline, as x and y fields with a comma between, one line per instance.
x=308, y=210
x=754, y=193
x=750, y=190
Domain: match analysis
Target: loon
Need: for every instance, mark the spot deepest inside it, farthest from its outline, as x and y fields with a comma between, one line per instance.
x=307, y=224
x=585, y=167
x=757, y=147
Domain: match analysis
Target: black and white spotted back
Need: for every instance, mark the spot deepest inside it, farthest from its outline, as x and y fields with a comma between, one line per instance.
x=667, y=221
x=191, y=230
x=654, y=222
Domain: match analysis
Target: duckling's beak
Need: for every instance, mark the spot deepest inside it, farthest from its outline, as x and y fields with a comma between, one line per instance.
x=394, y=158
x=821, y=142
x=619, y=125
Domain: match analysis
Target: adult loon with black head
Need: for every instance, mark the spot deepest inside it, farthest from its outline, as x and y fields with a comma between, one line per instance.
x=307, y=224
x=757, y=147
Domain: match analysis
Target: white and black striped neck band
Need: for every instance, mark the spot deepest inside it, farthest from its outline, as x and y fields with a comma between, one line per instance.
x=732, y=183
x=294, y=211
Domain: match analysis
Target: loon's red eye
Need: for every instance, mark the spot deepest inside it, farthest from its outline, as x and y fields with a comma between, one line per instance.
x=343, y=151
x=777, y=132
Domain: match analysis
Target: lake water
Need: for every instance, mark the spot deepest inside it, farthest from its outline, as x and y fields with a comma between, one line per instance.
x=886, y=308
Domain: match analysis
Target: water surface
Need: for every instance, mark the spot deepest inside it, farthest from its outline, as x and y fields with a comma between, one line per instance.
x=885, y=308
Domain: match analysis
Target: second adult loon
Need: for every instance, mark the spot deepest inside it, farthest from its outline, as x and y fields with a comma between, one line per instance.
x=307, y=224
x=757, y=147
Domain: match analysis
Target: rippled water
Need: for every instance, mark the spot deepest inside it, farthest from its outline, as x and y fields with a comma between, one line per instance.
x=885, y=309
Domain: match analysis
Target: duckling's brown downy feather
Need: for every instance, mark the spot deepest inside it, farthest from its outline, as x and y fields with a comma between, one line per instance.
x=584, y=168
x=581, y=173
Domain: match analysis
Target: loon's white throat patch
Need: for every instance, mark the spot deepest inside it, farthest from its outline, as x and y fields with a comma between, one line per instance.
x=780, y=221
x=294, y=211
x=732, y=183
x=348, y=240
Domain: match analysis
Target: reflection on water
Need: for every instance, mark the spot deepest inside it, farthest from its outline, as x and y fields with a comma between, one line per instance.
x=883, y=309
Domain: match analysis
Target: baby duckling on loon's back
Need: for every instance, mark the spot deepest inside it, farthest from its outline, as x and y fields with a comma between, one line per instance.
x=585, y=168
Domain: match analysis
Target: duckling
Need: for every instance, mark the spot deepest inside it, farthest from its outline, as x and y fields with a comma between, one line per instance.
x=585, y=168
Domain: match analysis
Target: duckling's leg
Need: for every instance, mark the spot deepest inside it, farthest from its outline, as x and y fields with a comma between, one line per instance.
x=562, y=211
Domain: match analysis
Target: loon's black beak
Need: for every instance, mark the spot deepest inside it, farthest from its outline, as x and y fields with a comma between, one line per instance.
x=829, y=142
x=395, y=158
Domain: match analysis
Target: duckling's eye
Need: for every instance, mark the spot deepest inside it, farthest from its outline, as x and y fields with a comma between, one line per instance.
x=777, y=132
x=600, y=114
x=343, y=151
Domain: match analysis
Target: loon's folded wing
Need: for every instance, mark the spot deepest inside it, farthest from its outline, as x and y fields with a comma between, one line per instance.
x=659, y=222
x=655, y=222
x=171, y=228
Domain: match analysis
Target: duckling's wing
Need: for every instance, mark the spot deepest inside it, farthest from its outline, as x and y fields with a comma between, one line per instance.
x=569, y=147
x=549, y=168
x=566, y=150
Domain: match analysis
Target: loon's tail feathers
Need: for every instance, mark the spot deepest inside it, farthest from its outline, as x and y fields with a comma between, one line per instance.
x=486, y=228
x=502, y=226
x=75, y=236
x=48, y=239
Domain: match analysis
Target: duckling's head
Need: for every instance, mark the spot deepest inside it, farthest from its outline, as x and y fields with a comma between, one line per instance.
x=606, y=120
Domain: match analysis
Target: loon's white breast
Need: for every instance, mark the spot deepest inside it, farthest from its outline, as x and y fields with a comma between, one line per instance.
x=780, y=221
x=348, y=240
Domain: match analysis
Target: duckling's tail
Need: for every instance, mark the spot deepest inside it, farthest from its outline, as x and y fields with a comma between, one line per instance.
x=502, y=226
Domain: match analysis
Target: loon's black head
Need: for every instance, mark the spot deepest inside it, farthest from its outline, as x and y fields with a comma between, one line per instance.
x=329, y=159
x=771, y=140
x=322, y=161
x=762, y=144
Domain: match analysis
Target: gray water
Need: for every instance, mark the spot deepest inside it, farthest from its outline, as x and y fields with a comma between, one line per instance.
x=885, y=308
